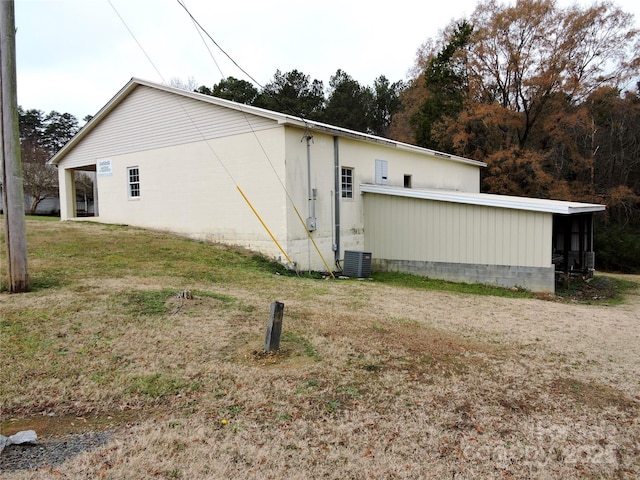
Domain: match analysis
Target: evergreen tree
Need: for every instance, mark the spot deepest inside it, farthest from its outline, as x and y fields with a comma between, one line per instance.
x=349, y=104
x=233, y=89
x=292, y=93
x=447, y=84
x=41, y=136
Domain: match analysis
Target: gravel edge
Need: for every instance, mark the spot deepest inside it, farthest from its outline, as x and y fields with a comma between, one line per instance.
x=49, y=452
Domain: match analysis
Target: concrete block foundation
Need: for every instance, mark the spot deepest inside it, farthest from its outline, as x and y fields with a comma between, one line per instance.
x=536, y=279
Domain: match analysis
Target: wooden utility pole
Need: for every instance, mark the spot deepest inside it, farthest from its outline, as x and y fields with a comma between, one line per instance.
x=12, y=186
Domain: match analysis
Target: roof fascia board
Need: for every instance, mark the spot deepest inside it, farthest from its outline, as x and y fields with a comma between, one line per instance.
x=488, y=200
x=132, y=85
x=345, y=132
x=282, y=119
x=87, y=127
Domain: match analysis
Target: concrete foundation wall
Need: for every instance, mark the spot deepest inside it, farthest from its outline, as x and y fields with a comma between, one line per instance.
x=537, y=279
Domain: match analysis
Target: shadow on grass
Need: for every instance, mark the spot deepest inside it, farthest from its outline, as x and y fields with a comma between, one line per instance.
x=426, y=283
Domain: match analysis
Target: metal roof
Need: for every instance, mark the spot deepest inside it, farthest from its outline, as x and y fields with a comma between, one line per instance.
x=281, y=118
x=487, y=200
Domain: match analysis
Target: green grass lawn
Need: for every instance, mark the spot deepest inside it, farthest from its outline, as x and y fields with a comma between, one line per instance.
x=394, y=377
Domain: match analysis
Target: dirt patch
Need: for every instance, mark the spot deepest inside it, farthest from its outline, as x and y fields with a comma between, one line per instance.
x=55, y=426
x=592, y=394
x=593, y=290
x=248, y=349
x=413, y=348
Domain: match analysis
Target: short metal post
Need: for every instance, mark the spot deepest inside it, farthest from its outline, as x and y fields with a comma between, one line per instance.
x=272, y=342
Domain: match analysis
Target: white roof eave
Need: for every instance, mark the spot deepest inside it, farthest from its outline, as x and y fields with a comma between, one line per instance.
x=281, y=118
x=487, y=200
x=345, y=132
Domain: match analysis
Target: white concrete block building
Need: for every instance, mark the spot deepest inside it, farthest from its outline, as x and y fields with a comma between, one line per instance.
x=304, y=192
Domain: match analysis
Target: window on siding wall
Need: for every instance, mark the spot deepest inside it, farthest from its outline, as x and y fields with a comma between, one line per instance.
x=381, y=172
x=347, y=182
x=133, y=176
x=407, y=181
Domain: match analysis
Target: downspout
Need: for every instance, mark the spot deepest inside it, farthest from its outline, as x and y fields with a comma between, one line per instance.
x=336, y=190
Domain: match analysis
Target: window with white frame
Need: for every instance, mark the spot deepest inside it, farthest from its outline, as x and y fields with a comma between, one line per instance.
x=133, y=178
x=347, y=182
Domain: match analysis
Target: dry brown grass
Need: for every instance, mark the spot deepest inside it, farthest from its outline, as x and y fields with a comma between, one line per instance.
x=371, y=381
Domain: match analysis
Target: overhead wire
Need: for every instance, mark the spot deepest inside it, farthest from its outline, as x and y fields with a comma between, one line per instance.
x=199, y=30
x=199, y=26
x=136, y=40
x=183, y=5
x=204, y=30
x=164, y=82
x=213, y=152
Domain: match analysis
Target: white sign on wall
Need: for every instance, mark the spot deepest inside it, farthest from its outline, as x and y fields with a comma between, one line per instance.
x=104, y=168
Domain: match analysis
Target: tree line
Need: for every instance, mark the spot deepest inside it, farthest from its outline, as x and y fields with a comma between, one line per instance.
x=345, y=103
x=349, y=104
x=41, y=136
x=547, y=96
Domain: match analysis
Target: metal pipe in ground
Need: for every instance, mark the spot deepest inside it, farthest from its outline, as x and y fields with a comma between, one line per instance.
x=274, y=329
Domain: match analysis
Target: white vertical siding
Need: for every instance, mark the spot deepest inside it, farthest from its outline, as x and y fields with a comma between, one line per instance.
x=399, y=228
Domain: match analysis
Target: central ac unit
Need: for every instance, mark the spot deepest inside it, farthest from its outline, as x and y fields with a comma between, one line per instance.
x=357, y=264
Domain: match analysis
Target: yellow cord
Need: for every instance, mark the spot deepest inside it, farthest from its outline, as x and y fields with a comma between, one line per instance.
x=264, y=225
x=276, y=241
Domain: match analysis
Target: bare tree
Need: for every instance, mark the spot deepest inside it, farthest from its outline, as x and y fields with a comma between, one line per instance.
x=190, y=85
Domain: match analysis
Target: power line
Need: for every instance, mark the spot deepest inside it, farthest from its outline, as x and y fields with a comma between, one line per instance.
x=139, y=44
x=213, y=152
x=199, y=30
x=216, y=44
x=204, y=30
x=306, y=135
x=195, y=125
